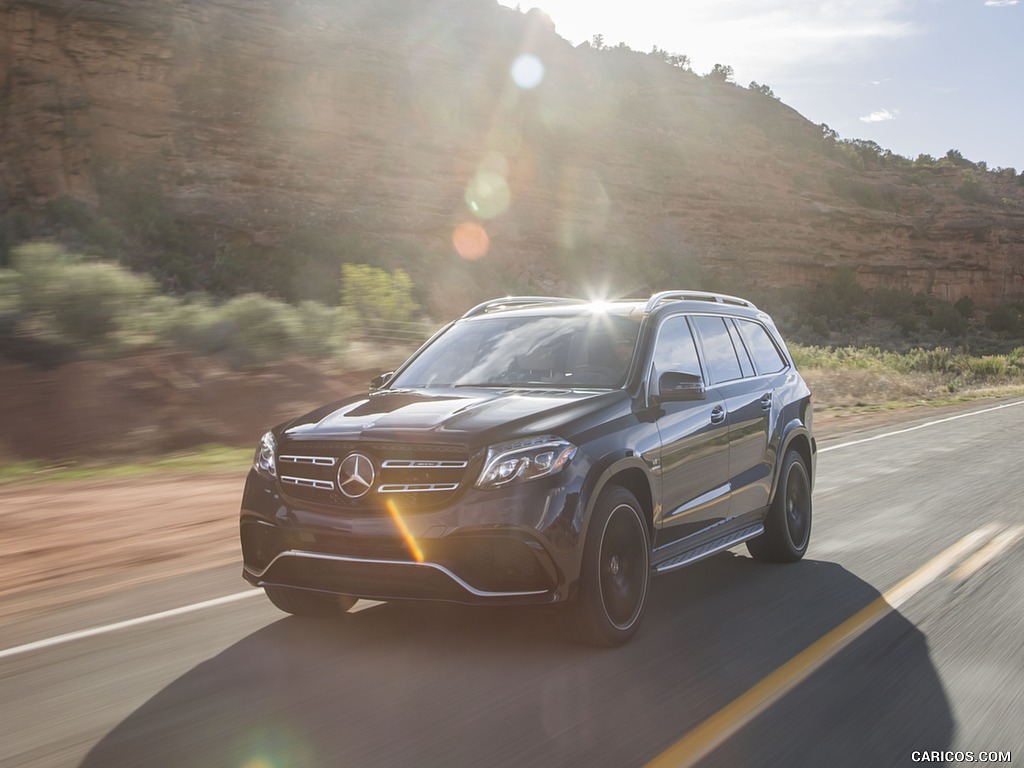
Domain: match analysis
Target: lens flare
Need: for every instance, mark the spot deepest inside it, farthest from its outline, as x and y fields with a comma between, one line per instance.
x=487, y=194
x=471, y=241
x=527, y=71
x=410, y=542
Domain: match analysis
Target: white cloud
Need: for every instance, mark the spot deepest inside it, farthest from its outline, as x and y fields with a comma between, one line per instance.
x=1000, y=3
x=879, y=116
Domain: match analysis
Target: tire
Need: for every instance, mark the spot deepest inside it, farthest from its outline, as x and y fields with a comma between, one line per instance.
x=787, y=526
x=616, y=572
x=299, y=602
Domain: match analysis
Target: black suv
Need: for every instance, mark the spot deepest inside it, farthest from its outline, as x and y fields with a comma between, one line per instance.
x=542, y=451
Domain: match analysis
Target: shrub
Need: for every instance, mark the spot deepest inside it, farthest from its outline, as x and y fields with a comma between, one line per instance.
x=971, y=189
x=987, y=367
x=84, y=302
x=965, y=306
x=891, y=303
x=376, y=298
x=193, y=324
x=323, y=329
x=907, y=324
x=1004, y=319
x=946, y=319
x=938, y=360
x=9, y=291
x=263, y=330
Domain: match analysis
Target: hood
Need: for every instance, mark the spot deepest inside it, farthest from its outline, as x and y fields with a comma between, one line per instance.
x=466, y=416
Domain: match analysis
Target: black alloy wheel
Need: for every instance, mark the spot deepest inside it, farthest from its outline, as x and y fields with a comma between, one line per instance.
x=787, y=527
x=616, y=572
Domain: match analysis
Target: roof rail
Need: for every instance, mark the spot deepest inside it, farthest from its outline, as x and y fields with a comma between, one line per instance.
x=518, y=301
x=720, y=298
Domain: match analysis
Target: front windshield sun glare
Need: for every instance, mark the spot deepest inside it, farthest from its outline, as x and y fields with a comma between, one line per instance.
x=588, y=350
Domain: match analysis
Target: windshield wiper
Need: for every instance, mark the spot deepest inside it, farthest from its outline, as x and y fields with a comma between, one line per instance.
x=514, y=385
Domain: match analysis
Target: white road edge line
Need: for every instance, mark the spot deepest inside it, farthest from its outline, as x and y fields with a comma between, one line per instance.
x=828, y=448
x=92, y=632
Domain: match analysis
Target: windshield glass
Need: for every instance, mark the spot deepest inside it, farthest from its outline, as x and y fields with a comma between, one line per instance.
x=592, y=350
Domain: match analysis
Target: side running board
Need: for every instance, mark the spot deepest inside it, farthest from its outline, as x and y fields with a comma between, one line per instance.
x=712, y=547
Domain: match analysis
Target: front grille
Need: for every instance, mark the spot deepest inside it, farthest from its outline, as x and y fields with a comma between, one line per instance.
x=412, y=476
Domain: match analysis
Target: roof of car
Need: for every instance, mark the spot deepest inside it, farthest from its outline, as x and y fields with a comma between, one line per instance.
x=639, y=306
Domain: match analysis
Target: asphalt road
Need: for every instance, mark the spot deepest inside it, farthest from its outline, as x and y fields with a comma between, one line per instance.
x=939, y=667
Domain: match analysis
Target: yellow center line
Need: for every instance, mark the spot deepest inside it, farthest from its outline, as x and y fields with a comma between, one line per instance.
x=729, y=720
x=987, y=554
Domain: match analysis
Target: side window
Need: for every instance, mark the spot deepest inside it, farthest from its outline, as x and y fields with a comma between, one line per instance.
x=766, y=355
x=745, y=364
x=675, y=349
x=723, y=365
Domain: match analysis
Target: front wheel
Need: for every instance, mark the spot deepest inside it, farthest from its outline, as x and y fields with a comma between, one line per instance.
x=616, y=572
x=299, y=602
x=787, y=527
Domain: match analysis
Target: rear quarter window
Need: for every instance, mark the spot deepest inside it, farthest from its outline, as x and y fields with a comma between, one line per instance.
x=767, y=357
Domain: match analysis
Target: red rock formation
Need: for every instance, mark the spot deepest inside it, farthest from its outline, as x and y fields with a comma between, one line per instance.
x=261, y=117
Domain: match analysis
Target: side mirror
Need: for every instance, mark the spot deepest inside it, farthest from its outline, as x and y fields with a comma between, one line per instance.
x=676, y=386
x=380, y=380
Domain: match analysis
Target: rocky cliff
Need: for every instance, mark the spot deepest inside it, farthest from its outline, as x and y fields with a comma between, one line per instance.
x=450, y=131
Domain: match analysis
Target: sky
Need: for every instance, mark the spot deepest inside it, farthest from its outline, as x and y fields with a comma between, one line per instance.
x=915, y=76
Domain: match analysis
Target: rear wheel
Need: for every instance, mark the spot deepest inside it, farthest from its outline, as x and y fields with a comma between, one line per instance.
x=787, y=527
x=299, y=602
x=616, y=572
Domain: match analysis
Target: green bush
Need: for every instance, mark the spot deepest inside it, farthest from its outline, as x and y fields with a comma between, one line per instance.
x=192, y=324
x=73, y=217
x=891, y=303
x=323, y=333
x=251, y=330
x=1004, y=319
x=82, y=301
x=9, y=291
x=971, y=189
x=375, y=298
x=938, y=360
x=965, y=306
x=947, y=319
x=263, y=330
x=987, y=367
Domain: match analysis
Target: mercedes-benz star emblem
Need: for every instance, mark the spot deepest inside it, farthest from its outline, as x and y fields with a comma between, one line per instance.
x=355, y=475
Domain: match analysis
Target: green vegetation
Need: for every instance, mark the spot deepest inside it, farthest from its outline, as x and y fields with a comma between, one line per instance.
x=839, y=312
x=206, y=459
x=720, y=73
x=56, y=306
x=871, y=376
x=370, y=294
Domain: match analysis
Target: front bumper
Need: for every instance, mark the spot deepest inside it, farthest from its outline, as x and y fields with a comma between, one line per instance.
x=516, y=545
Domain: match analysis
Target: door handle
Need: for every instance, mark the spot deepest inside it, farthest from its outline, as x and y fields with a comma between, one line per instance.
x=766, y=401
x=717, y=414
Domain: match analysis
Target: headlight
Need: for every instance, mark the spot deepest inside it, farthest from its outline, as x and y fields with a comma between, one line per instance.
x=523, y=460
x=264, y=460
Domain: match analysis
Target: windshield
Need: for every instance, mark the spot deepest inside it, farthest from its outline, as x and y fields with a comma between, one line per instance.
x=592, y=350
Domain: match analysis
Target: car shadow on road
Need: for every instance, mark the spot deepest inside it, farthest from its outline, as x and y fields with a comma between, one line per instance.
x=416, y=685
